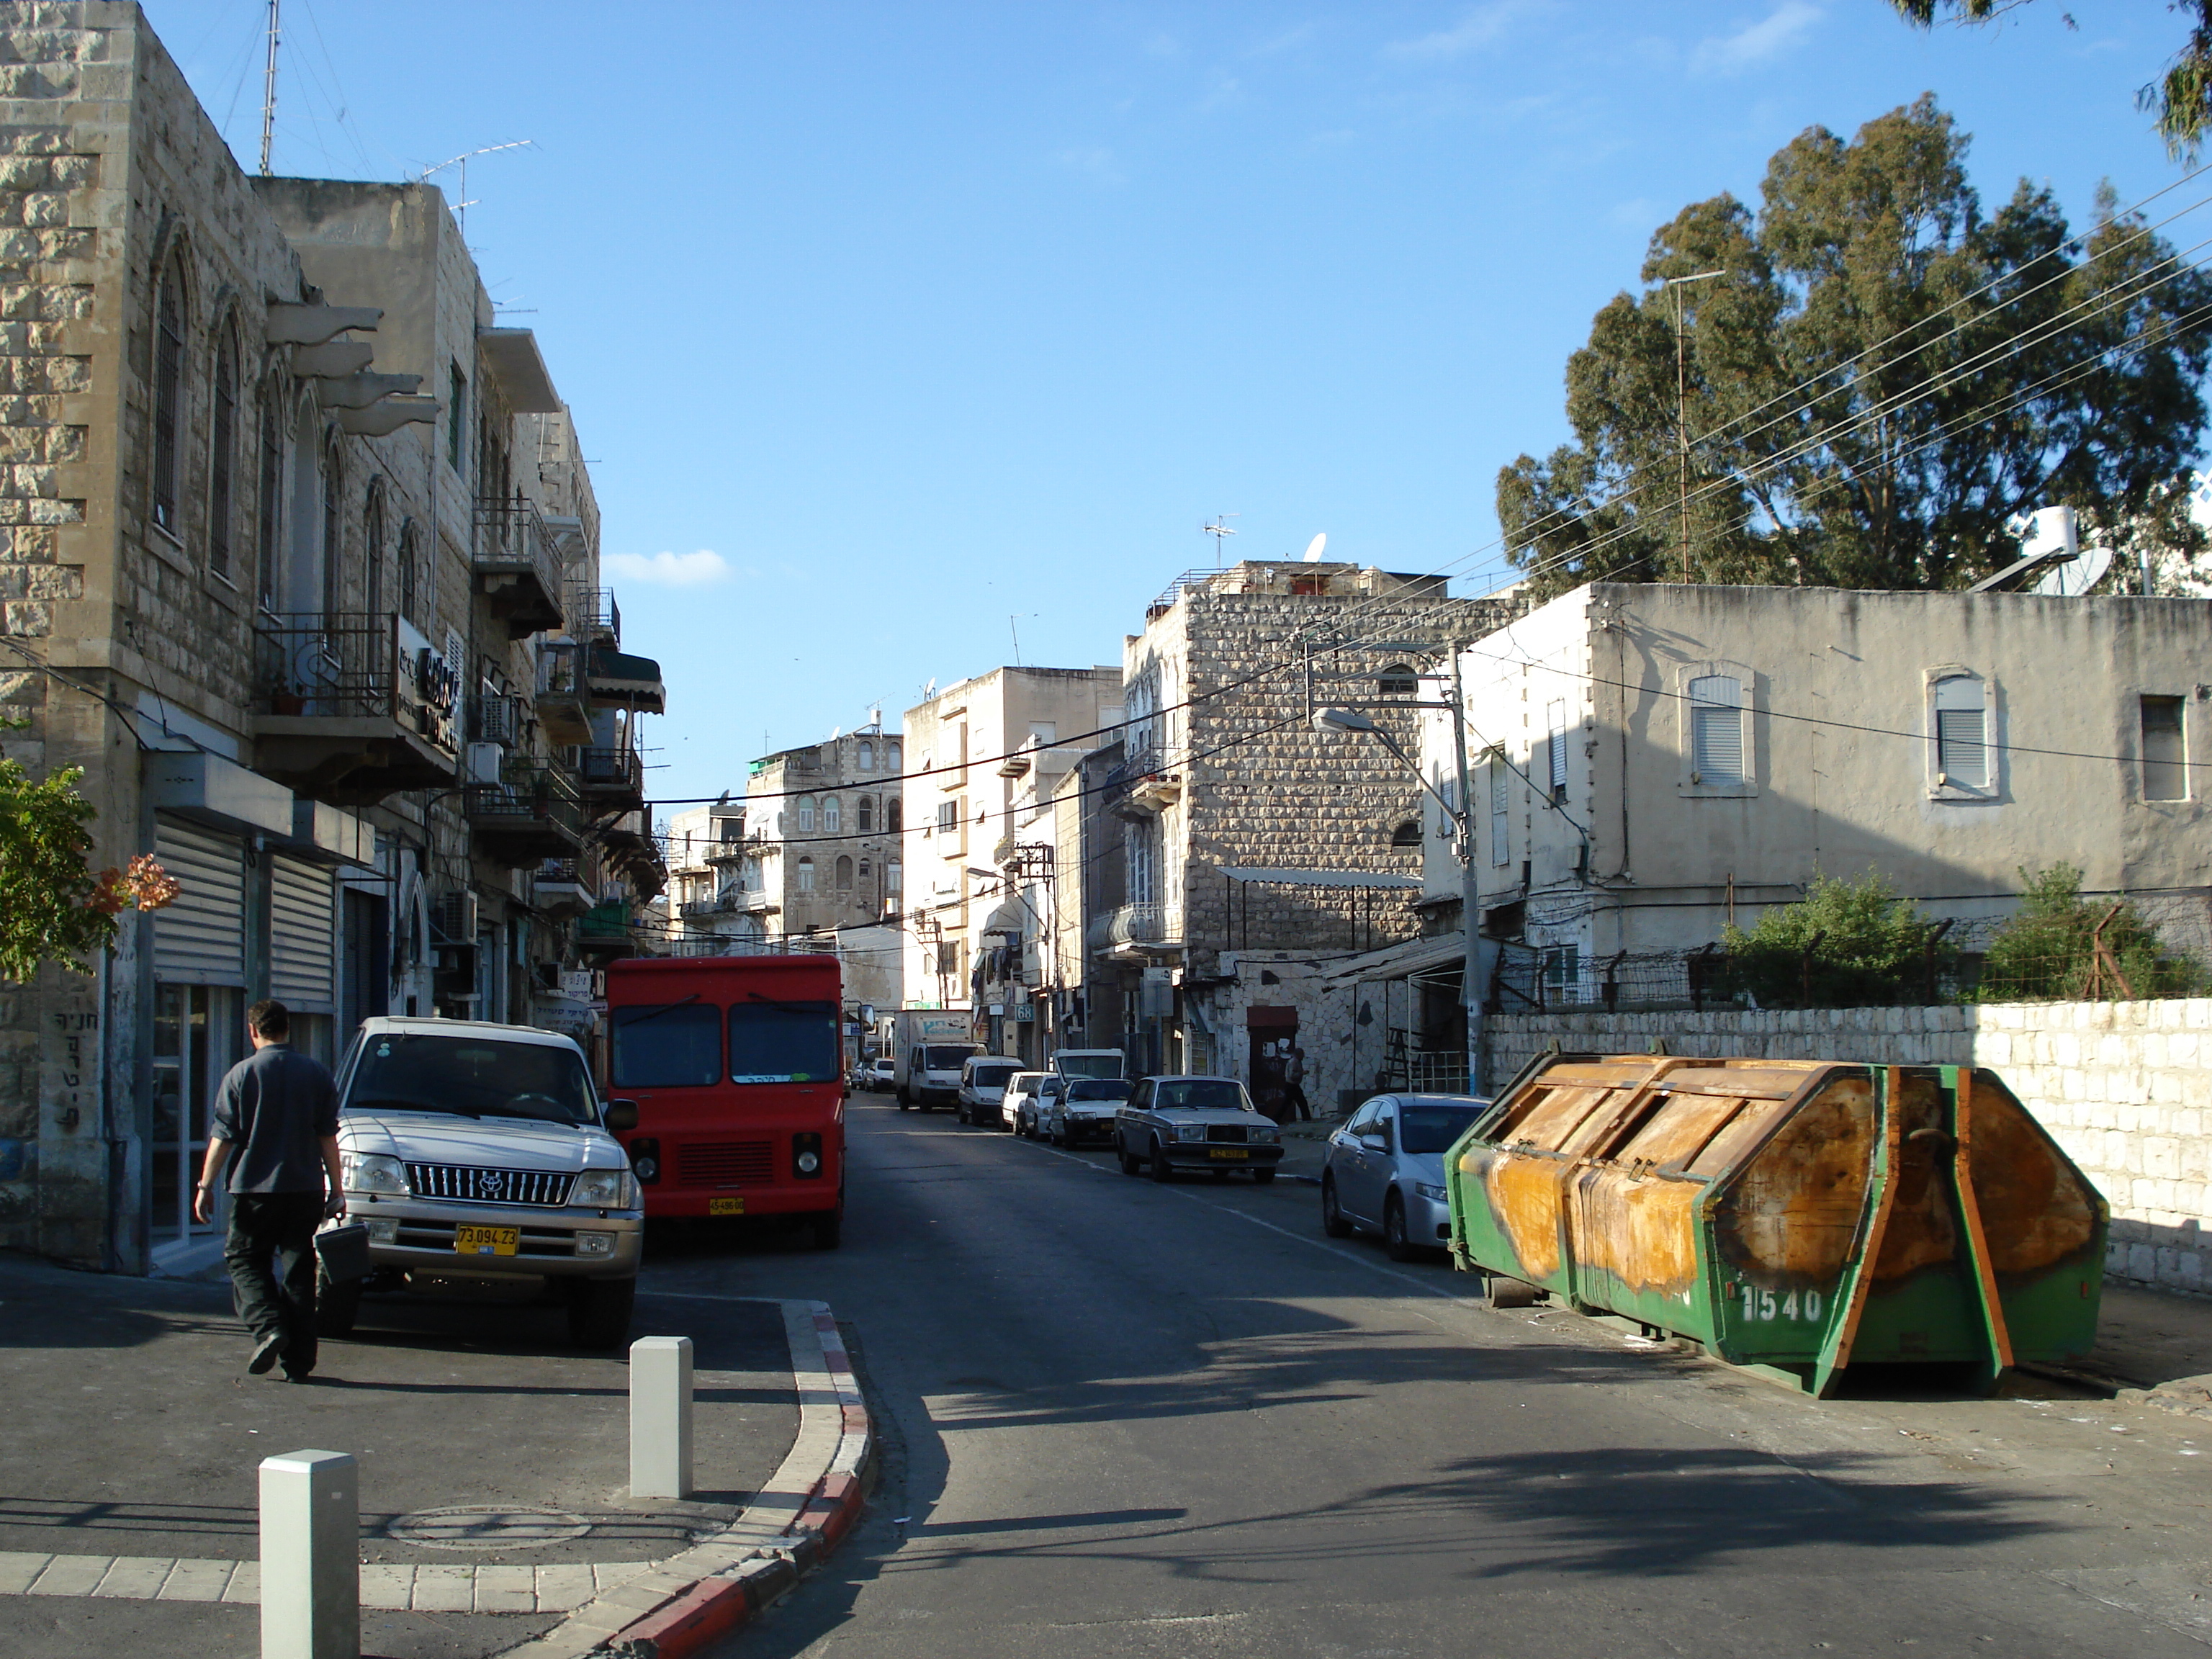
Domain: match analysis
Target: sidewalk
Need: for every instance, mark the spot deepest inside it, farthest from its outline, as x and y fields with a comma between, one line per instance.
x=494, y=1461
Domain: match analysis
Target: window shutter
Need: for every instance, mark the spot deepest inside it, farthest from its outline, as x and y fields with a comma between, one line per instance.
x=1558, y=746
x=1962, y=755
x=1716, y=730
x=1499, y=835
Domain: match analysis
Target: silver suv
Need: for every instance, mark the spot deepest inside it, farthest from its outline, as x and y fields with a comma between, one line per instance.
x=480, y=1153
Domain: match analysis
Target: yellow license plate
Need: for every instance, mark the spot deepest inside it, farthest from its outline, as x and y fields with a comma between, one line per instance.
x=1225, y=1151
x=726, y=1206
x=487, y=1240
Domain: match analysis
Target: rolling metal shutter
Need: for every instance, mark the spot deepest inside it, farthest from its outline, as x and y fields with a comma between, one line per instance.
x=200, y=940
x=302, y=936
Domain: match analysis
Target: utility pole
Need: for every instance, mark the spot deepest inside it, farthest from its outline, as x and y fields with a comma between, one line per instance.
x=1682, y=412
x=1474, y=979
x=268, y=93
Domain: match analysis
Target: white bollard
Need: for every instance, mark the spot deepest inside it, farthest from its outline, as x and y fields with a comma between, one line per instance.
x=660, y=1416
x=310, y=1556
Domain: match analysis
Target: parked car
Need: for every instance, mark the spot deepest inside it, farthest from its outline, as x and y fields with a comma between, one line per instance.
x=879, y=1077
x=930, y=1074
x=1384, y=1170
x=476, y=1152
x=1029, y=1114
x=982, y=1080
x=1021, y=1088
x=1171, y=1123
x=1085, y=1110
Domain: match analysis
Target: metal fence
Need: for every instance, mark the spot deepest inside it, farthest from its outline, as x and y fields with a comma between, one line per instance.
x=2127, y=947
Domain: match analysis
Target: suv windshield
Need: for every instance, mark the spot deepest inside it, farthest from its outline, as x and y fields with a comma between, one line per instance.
x=670, y=1045
x=945, y=1057
x=1097, y=1088
x=1223, y=1092
x=783, y=1042
x=1433, y=1129
x=470, y=1077
x=992, y=1076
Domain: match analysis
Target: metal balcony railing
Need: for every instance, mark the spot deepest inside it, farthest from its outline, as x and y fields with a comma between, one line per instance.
x=528, y=792
x=333, y=665
x=615, y=771
x=511, y=535
x=1133, y=924
x=594, y=615
x=1140, y=762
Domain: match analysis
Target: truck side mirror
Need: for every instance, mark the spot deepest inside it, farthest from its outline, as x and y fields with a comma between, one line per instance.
x=622, y=1115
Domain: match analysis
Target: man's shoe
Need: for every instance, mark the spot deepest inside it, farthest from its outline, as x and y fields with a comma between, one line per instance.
x=291, y=1375
x=266, y=1352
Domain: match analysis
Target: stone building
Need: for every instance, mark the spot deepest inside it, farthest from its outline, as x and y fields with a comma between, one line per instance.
x=1255, y=848
x=986, y=758
x=267, y=565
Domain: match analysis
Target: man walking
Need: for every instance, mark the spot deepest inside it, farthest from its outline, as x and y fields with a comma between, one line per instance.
x=278, y=1111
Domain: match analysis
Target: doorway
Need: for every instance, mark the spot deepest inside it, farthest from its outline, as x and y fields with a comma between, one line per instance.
x=195, y=1044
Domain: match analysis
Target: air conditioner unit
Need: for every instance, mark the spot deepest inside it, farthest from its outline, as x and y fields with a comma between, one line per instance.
x=484, y=762
x=454, y=915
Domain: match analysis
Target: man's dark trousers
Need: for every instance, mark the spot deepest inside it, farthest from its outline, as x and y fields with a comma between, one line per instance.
x=272, y=1256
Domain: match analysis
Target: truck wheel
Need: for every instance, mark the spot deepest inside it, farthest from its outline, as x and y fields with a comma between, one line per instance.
x=1332, y=1214
x=338, y=1304
x=599, y=1311
x=1162, y=1169
x=903, y=1102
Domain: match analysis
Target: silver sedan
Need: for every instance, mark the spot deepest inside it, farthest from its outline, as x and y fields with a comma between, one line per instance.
x=1384, y=1170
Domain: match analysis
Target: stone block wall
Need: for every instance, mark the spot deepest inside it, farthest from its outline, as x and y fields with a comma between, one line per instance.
x=2125, y=1087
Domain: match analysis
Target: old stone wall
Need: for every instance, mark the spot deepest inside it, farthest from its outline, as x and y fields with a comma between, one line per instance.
x=2122, y=1086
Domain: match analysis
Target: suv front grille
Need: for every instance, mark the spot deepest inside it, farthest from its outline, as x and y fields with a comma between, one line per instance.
x=475, y=1186
x=1233, y=1134
x=724, y=1163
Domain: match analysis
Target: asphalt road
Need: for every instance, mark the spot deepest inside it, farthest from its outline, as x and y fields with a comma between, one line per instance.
x=1122, y=1418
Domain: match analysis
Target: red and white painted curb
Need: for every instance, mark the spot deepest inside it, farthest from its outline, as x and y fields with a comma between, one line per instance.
x=681, y=1605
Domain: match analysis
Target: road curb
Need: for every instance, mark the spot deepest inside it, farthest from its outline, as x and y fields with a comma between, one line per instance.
x=797, y=1519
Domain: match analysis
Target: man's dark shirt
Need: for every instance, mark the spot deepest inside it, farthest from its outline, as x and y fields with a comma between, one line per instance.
x=273, y=1107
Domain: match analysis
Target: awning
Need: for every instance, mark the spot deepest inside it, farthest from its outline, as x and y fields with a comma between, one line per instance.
x=204, y=788
x=616, y=677
x=1374, y=878
x=1401, y=961
x=513, y=356
x=1006, y=918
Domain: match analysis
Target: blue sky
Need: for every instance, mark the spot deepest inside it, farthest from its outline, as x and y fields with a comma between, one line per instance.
x=887, y=323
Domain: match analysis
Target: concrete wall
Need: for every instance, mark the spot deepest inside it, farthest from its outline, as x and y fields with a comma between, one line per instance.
x=2122, y=1086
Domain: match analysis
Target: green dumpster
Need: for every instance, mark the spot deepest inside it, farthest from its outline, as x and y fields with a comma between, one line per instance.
x=1792, y=1216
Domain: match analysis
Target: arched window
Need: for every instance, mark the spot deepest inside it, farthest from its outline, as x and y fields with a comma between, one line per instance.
x=806, y=875
x=844, y=874
x=832, y=815
x=1960, y=726
x=894, y=815
x=333, y=547
x=807, y=814
x=168, y=393
x=892, y=756
x=1407, y=834
x=410, y=557
x=372, y=536
x=1717, y=730
x=270, y=539
x=864, y=815
x=223, y=454
x=1398, y=681
x=865, y=756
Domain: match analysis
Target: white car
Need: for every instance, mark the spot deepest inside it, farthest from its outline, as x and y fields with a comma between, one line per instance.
x=1084, y=1109
x=1021, y=1092
x=476, y=1152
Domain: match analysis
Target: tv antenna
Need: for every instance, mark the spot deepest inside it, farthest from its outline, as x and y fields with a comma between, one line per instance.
x=460, y=208
x=1014, y=627
x=1218, y=529
x=269, y=93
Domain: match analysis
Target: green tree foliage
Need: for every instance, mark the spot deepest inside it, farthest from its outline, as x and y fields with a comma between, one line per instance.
x=1883, y=377
x=47, y=890
x=1845, y=945
x=2181, y=98
x=2046, y=950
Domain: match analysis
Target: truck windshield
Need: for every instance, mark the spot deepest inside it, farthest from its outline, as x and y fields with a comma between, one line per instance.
x=670, y=1045
x=945, y=1057
x=783, y=1042
x=1088, y=1064
x=1224, y=1093
x=470, y=1077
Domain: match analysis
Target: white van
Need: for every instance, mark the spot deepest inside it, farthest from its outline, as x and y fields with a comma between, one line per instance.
x=984, y=1080
x=931, y=1074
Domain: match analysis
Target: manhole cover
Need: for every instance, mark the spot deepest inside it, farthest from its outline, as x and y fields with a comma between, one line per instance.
x=486, y=1527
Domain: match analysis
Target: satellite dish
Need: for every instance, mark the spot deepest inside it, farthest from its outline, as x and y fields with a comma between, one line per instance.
x=2077, y=576
x=1315, y=546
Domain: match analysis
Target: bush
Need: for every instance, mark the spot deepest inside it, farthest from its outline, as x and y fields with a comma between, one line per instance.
x=1844, y=946
x=2046, y=950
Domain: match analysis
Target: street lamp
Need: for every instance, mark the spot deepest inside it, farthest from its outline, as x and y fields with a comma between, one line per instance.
x=1463, y=816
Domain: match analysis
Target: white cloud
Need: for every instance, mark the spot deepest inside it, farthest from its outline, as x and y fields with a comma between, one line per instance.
x=670, y=569
x=1477, y=29
x=1756, y=43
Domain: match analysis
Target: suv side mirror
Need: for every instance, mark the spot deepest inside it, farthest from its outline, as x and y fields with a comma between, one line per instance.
x=620, y=1115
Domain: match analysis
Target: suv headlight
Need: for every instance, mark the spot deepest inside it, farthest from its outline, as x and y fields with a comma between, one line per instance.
x=371, y=1172
x=604, y=1190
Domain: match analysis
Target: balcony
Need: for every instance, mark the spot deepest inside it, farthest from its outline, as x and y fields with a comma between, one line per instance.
x=729, y=852
x=1141, y=786
x=612, y=778
x=516, y=566
x=593, y=616
x=531, y=814
x=352, y=707
x=560, y=889
x=564, y=699
x=1133, y=930
x=602, y=933
x=634, y=852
